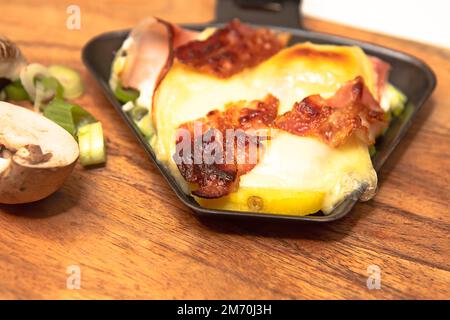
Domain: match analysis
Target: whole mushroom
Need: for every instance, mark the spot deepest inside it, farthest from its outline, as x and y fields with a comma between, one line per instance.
x=11, y=60
x=36, y=155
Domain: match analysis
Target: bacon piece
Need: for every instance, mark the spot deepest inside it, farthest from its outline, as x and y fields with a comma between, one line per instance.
x=212, y=156
x=150, y=55
x=351, y=110
x=231, y=49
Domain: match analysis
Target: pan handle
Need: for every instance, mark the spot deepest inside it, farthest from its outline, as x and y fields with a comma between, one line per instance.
x=283, y=13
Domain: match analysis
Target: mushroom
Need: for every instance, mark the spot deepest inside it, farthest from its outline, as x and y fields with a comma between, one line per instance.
x=36, y=155
x=11, y=60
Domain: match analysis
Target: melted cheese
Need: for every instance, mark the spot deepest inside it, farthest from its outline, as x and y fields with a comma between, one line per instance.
x=309, y=174
x=302, y=175
x=291, y=75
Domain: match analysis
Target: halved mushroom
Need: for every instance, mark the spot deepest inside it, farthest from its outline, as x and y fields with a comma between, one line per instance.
x=11, y=60
x=36, y=155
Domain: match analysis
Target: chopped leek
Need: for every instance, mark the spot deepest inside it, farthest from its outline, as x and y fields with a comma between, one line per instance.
x=39, y=85
x=69, y=79
x=40, y=96
x=125, y=95
x=137, y=113
x=145, y=125
x=128, y=106
x=68, y=115
x=28, y=76
x=372, y=150
x=92, y=144
x=2, y=95
x=47, y=88
x=52, y=84
x=83, y=126
x=397, y=100
x=15, y=91
x=141, y=117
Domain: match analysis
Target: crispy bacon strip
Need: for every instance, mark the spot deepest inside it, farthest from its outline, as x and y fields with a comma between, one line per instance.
x=352, y=110
x=231, y=49
x=213, y=157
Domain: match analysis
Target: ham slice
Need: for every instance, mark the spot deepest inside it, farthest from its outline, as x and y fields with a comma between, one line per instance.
x=381, y=69
x=150, y=53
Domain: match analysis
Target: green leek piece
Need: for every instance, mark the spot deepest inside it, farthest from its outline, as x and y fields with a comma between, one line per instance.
x=92, y=144
x=397, y=100
x=138, y=112
x=83, y=126
x=28, y=77
x=15, y=91
x=46, y=88
x=143, y=120
x=372, y=150
x=125, y=95
x=52, y=84
x=69, y=79
x=145, y=125
x=40, y=96
x=69, y=116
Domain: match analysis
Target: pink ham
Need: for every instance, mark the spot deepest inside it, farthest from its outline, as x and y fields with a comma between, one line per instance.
x=150, y=55
x=381, y=73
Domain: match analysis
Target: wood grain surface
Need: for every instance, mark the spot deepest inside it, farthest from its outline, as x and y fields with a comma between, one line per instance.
x=131, y=237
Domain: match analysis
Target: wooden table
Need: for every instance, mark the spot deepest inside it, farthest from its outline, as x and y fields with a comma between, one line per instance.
x=131, y=237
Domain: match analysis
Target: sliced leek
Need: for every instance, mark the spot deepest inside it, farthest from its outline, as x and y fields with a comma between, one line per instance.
x=128, y=106
x=145, y=125
x=15, y=91
x=83, y=126
x=40, y=96
x=28, y=76
x=137, y=113
x=125, y=95
x=92, y=144
x=69, y=79
x=68, y=115
x=52, y=84
x=47, y=88
x=397, y=100
x=372, y=150
x=141, y=117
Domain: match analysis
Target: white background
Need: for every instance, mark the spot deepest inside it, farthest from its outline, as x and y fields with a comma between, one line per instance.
x=421, y=20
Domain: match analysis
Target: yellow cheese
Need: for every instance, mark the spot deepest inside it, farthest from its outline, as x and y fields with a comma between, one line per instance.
x=268, y=200
x=301, y=175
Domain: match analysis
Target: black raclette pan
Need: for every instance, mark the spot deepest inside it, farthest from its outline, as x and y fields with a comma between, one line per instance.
x=410, y=75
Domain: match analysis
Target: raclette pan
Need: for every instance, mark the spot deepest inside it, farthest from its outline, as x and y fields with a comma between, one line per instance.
x=412, y=76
